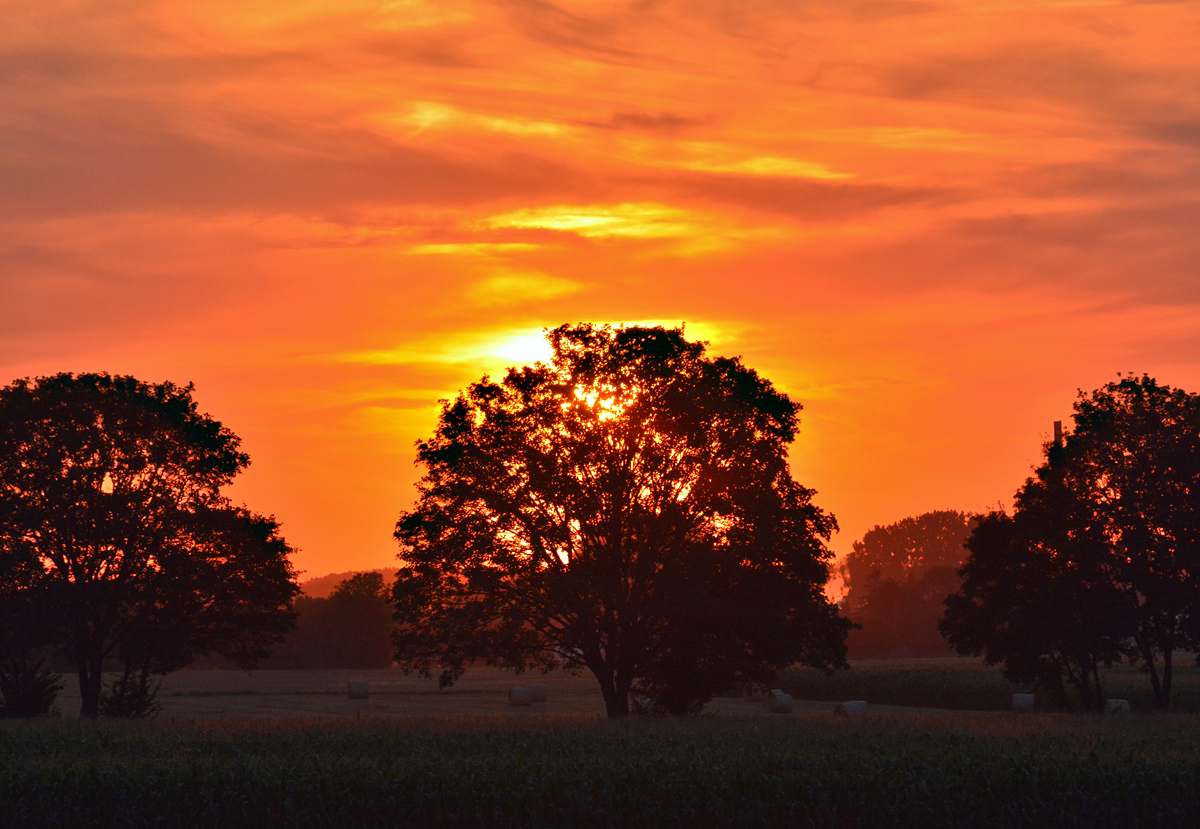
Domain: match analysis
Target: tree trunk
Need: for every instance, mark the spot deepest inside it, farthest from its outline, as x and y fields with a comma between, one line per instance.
x=623, y=684
x=1099, y=687
x=1074, y=680
x=616, y=702
x=1057, y=688
x=90, y=682
x=1155, y=685
x=1166, y=679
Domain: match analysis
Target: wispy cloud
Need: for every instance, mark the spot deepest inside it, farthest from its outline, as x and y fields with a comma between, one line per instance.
x=931, y=221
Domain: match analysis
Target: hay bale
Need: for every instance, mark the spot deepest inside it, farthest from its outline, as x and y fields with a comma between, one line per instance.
x=1116, y=706
x=851, y=708
x=537, y=693
x=519, y=696
x=777, y=702
x=1022, y=703
x=357, y=689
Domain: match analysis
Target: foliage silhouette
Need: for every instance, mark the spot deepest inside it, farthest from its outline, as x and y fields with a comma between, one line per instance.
x=28, y=683
x=322, y=587
x=1134, y=457
x=110, y=502
x=351, y=628
x=133, y=695
x=897, y=578
x=1101, y=556
x=626, y=508
x=1035, y=597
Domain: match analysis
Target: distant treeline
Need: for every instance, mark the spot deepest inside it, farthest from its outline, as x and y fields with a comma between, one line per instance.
x=897, y=579
x=350, y=627
x=322, y=587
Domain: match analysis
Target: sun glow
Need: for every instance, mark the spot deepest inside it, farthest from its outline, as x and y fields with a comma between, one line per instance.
x=486, y=352
x=645, y=221
x=920, y=219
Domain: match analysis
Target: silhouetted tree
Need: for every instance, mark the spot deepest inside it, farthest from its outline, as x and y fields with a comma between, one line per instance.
x=110, y=494
x=1134, y=460
x=1102, y=552
x=897, y=578
x=1035, y=600
x=626, y=508
x=350, y=628
x=322, y=587
x=901, y=618
x=361, y=611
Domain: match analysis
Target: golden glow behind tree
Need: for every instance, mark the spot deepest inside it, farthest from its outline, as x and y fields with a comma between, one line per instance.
x=919, y=217
x=625, y=508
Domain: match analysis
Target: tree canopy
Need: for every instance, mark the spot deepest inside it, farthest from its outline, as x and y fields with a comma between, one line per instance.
x=350, y=628
x=896, y=579
x=1101, y=556
x=901, y=551
x=625, y=508
x=111, y=509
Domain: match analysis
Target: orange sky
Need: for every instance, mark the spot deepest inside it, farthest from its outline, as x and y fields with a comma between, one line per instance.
x=929, y=222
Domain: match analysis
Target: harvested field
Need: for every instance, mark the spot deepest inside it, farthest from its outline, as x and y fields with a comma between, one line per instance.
x=323, y=693
x=966, y=684
x=482, y=692
x=893, y=686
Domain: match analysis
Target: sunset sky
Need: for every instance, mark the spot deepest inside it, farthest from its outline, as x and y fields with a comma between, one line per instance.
x=931, y=223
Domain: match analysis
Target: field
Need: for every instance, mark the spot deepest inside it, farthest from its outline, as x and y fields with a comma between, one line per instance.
x=968, y=685
x=985, y=770
x=287, y=748
x=892, y=688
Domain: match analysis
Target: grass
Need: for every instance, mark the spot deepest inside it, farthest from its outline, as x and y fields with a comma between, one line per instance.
x=968, y=684
x=960, y=770
x=203, y=694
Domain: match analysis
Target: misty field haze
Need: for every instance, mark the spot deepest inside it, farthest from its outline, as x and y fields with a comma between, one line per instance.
x=894, y=687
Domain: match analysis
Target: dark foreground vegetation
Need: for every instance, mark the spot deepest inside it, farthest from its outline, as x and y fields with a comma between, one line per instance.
x=989, y=770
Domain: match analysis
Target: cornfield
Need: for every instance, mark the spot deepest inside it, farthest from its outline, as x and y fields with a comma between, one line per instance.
x=951, y=770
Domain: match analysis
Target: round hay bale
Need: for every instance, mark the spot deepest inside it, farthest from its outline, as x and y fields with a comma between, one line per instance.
x=851, y=708
x=1022, y=703
x=537, y=693
x=777, y=702
x=1116, y=706
x=519, y=696
x=357, y=689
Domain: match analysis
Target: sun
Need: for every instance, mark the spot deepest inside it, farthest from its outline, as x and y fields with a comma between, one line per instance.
x=522, y=349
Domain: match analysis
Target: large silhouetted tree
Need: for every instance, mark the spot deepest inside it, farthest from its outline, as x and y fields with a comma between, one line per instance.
x=1134, y=458
x=626, y=508
x=1037, y=598
x=1102, y=552
x=110, y=499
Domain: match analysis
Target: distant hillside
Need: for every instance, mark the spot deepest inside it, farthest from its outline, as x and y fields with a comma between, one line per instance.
x=322, y=586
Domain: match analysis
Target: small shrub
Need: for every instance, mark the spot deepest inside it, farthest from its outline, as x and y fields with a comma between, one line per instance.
x=28, y=687
x=133, y=696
